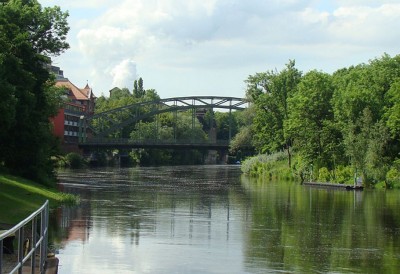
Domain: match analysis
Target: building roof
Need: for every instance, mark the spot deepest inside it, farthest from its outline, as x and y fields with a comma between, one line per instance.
x=79, y=94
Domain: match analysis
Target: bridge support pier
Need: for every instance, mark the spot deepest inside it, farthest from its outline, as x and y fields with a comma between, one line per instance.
x=223, y=156
x=212, y=157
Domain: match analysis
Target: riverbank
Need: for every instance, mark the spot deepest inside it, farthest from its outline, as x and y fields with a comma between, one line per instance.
x=20, y=197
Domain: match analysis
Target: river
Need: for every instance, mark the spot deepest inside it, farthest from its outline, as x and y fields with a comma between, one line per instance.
x=212, y=219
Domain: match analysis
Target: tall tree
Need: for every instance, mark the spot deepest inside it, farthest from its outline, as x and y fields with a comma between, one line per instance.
x=310, y=121
x=135, y=88
x=365, y=144
x=392, y=114
x=138, y=89
x=272, y=107
x=29, y=36
x=367, y=93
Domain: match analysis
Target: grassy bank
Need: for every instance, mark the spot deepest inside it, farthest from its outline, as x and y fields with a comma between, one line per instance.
x=272, y=167
x=275, y=167
x=20, y=197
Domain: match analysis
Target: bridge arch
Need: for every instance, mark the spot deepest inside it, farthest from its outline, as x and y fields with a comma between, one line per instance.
x=103, y=124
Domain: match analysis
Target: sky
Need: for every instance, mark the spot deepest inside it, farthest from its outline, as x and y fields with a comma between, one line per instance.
x=210, y=47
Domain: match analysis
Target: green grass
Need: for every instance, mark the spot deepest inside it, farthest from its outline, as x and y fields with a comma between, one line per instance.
x=20, y=197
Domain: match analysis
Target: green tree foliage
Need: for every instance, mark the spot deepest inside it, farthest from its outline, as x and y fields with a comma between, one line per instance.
x=347, y=121
x=273, y=89
x=392, y=114
x=164, y=129
x=29, y=35
x=151, y=131
x=167, y=130
x=242, y=143
x=150, y=95
x=75, y=160
x=120, y=98
x=311, y=118
x=365, y=144
x=138, y=89
x=226, y=125
x=242, y=140
x=364, y=105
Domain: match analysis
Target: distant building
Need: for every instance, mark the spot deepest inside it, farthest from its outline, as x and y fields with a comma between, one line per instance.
x=68, y=124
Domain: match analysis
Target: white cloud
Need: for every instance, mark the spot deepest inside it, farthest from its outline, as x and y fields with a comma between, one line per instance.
x=78, y=4
x=367, y=26
x=124, y=74
x=181, y=39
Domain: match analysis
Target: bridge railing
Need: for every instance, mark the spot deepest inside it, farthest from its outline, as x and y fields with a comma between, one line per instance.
x=31, y=237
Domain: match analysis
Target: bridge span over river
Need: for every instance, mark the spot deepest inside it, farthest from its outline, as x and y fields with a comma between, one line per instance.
x=111, y=129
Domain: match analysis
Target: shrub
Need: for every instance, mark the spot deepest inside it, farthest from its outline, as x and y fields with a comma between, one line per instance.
x=270, y=166
x=324, y=175
x=393, y=178
x=344, y=174
x=75, y=160
x=59, y=161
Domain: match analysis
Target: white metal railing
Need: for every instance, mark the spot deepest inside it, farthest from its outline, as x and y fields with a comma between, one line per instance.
x=31, y=237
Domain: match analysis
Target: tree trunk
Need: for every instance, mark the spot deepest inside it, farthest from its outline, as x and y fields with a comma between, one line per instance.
x=289, y=156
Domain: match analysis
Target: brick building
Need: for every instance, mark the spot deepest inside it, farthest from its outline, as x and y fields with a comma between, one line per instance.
x=79, y=103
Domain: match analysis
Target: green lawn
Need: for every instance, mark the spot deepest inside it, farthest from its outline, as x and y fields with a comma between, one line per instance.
x=20, y=197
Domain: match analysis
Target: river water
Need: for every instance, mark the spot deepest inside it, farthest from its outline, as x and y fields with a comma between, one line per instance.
x=212, y=219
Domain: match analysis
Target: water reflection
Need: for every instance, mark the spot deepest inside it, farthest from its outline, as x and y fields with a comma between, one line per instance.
x=157, y=220
x=212, y=220
x=314, y=230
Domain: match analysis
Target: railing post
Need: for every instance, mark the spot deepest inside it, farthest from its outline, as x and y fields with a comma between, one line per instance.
x=43, y=235
x=1, y=256
x=33, y=245
x=20, y=249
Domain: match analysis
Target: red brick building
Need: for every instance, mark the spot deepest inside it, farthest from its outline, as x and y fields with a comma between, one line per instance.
x=80, y=103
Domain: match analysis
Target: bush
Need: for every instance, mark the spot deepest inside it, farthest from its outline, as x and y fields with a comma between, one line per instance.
x=59, y=161
x=324, y=175
x=343, y=175
x=393, y=178
x=270, y=166
x=75, y=160
x=251, y=164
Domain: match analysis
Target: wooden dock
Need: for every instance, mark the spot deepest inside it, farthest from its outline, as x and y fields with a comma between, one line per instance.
x=332, y=185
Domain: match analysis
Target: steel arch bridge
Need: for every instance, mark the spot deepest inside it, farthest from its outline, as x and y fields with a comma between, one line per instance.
x=101, y=130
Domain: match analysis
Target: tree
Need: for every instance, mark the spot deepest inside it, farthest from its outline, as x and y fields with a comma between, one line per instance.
x=242, y=140
x=272, y=108
x=150, y=95
x=257, y=84
x=226, y=125
x=368, y=93
x=365, y=144
x=310, y=119
x=29, y=36
x=392, y=114
x=350, y=119
x=164, y=130
x=118, y=98
x=138, y=89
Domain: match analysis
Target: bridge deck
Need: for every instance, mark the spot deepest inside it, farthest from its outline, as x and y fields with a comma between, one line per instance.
x=126, y=143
